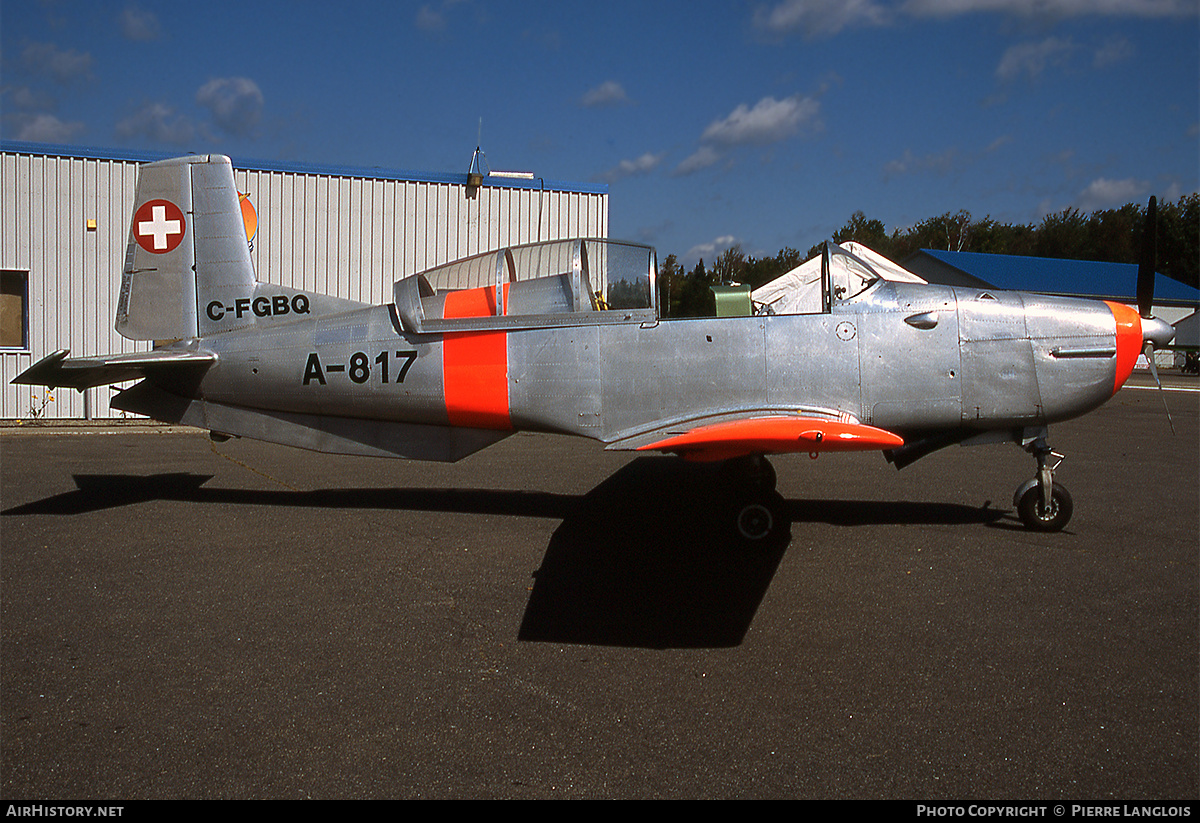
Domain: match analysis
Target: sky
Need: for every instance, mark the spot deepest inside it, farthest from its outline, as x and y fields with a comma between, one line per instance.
x=762, y=124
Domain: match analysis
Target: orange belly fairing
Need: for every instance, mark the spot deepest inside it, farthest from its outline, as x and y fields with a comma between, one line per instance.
x=775, y=435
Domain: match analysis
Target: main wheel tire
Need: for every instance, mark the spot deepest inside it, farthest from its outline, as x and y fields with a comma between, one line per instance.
x=758, y=518
x=1038, y=517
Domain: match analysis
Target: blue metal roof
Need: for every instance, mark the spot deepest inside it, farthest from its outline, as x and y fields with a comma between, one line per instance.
x=370, y=173
x=1068, y=277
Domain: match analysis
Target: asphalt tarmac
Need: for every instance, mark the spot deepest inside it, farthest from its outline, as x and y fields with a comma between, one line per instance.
x=180, y=619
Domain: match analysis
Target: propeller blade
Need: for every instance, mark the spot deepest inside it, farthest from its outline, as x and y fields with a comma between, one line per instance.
x=1148, y=260
x=1149, y=352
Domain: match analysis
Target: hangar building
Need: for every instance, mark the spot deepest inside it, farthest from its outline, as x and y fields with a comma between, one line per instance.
x=348, y=232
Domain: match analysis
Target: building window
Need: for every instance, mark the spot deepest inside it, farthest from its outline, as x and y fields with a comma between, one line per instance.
x=14, y=309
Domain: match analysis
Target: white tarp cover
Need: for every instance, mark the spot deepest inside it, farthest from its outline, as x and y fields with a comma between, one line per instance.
x=799, y=291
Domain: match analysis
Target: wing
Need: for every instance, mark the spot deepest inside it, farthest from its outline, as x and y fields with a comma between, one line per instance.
x=768, y=434
x=57, y=370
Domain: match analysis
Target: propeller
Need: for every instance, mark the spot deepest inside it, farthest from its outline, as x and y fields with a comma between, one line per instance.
x=1148, y=260
x=1155, y=333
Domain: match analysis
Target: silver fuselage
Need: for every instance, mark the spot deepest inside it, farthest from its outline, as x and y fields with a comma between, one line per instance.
x=903, y=357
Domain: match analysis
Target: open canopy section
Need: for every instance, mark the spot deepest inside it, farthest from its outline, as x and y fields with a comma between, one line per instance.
x=561, y=282
x=841, y=273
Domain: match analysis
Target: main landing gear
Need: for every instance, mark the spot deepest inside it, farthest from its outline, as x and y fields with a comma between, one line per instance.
x=1043, y=504
x=757, y=513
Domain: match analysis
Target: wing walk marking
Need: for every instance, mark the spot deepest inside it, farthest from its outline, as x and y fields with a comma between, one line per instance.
x=775, y=435
x=475, y=364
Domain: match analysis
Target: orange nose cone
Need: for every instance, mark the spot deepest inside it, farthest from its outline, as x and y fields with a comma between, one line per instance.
x=1129, y=341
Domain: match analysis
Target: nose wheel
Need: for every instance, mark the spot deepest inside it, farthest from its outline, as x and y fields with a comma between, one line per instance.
x=1037, y=515
x=1042, y=504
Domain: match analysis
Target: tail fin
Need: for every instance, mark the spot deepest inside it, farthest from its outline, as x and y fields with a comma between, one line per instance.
x=187, y=248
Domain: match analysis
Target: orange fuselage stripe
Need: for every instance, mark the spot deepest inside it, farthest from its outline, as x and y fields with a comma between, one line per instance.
x=475, y=365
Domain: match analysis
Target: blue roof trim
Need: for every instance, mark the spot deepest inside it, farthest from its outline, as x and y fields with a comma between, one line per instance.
x=1069, y=277
x=371, y=172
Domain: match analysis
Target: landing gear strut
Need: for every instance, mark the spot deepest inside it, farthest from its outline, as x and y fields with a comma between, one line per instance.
x=754, y=471
x=1042, y=504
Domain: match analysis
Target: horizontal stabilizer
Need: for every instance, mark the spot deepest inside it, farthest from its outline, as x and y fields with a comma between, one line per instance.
x=778, y=434
x=57, y=370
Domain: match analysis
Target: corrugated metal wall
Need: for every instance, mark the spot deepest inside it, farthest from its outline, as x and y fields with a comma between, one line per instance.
x=342, y=234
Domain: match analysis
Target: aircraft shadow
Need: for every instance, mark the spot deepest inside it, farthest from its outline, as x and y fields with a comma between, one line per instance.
x=646, y=559
x=97, y=492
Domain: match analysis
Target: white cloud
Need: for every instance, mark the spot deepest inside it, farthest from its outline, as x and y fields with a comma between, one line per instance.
x=702, y=158
x=1173, y=192
x=1114, y=50
x=64, y=66
x=1052, y=8
x=909, y=163
x=157, y=122
x=1103, y=193
x=45, y=128
x=140, y=25
x=712, y=248
x=816, y=18
x=236, y=104
x=608, y=93
x=628, y=168
x=769, y=121
x=825, y=18
x=23, y=97
x=999, y=143
x=1031, y=59
x=429, y=19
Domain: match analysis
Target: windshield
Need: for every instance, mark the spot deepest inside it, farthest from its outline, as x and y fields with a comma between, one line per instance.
x=850, y=276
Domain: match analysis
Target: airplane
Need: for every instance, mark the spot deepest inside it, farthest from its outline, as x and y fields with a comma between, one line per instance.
x=565, y=337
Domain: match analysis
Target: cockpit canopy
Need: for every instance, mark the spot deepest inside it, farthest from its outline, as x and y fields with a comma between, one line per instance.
x=563, y=282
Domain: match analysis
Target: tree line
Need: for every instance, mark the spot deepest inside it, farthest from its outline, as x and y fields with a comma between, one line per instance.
x=1109, y=235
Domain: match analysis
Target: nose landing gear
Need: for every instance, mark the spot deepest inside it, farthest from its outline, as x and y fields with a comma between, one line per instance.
x=1043, y=504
